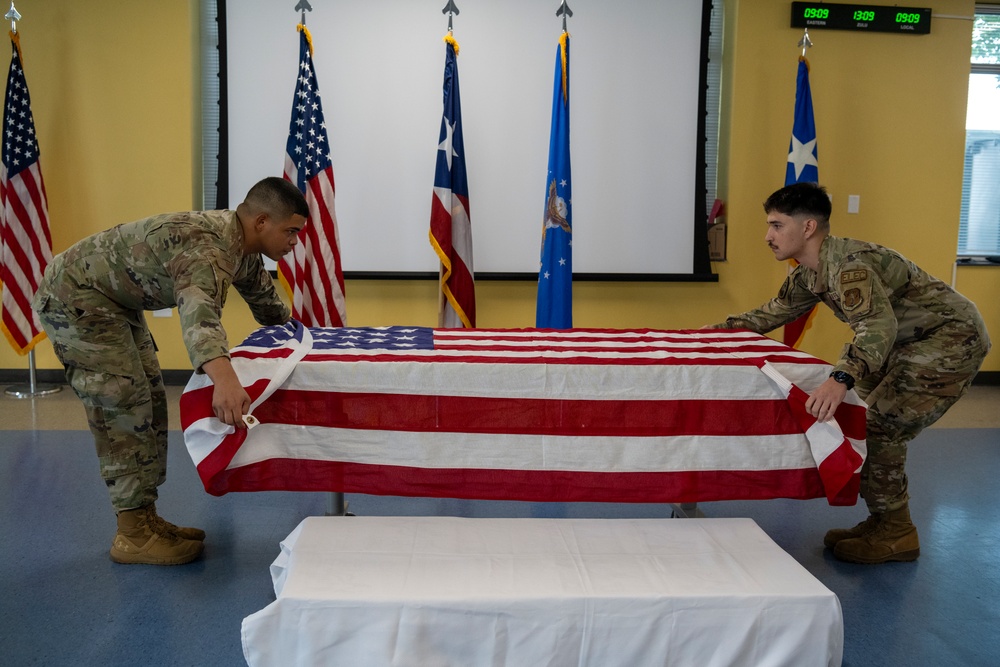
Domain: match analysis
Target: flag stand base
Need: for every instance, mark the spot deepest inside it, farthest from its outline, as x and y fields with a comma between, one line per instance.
x=32, y=389
x=686, y=511
x=27, y=391
x=335, y=505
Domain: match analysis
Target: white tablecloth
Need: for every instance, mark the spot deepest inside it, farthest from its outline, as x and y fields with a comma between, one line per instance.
x=451, y=591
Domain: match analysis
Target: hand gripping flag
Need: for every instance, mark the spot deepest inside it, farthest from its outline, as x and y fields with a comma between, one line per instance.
x=25, y=243
x=803, y=167
x=554, y=308
x=451, y=227
x=312, y=273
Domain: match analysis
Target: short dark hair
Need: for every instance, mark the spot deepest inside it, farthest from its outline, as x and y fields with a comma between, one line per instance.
x=278, y=198
x=801, y=198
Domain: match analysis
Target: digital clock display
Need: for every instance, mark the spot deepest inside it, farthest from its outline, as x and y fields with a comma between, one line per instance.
x=870, y=18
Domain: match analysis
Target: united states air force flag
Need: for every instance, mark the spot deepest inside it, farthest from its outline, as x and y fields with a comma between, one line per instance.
x=803, y=167
x=554, y=309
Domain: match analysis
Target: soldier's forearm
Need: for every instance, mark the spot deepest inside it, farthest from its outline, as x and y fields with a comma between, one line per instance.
x=220, y=370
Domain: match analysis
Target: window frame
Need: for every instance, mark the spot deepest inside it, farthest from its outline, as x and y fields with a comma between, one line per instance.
x=964, y=254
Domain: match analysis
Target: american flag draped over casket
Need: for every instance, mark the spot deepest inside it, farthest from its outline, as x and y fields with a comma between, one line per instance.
x=528, y=414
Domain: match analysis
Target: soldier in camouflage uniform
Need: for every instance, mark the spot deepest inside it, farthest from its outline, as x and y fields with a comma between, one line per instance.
x=91, y=302
x=917, y=346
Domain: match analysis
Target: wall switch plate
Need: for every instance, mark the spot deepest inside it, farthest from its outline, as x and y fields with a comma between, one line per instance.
x=853, y=203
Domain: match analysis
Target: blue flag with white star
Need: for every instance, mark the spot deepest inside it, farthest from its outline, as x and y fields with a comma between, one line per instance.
x=554, y=308
x=803, y=165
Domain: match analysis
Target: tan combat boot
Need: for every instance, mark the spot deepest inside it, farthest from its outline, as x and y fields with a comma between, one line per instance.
x=141, y=539
x=840, y=534
x=894, y=538
x=179, y=531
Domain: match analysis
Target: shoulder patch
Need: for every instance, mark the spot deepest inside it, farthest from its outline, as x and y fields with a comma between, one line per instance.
x=852, y=298
x=853, y=276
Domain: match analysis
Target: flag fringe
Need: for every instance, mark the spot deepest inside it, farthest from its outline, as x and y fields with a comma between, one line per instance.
x=309, y=38
x=287, y=284
x=449, y=39
x=563, y=44
x=27, y=348
x=445, y=274
x=15, y=39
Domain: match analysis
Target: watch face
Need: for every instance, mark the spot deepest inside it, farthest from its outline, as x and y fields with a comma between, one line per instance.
x=843, y=378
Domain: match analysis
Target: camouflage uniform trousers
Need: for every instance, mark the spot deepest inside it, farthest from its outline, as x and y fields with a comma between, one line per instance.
x=111, y=365
x=914, y=388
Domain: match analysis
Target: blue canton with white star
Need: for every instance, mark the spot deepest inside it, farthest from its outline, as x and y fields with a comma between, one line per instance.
x=307, y=140
x=344, y=338
x=20, y=147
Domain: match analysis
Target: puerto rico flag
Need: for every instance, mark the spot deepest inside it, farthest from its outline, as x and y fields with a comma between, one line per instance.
x=802, y=167
x=803, y=157
x=451, y=226
x=527, y=414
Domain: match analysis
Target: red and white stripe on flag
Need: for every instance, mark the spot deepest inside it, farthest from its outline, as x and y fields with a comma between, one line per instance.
x=576, y=415
x=451, y=237
x=312, y=272
x=25, y=242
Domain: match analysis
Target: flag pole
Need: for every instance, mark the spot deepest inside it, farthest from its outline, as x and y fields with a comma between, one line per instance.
x=450, y=9
x=564, y=11
x=14, y=17
x=805, y=42
x=33, y=388
x=303, y=6
x=803, y=135
x=450, y=233
x=335, y=503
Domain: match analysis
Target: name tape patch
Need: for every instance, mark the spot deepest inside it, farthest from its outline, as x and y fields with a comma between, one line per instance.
x=853, y=276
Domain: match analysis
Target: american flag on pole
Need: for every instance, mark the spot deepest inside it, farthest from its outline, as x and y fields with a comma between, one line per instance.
x=25, y=243
x=451, y=227
x=528, y=414
x=554, y=307
x=803, y=167
x=312, y=273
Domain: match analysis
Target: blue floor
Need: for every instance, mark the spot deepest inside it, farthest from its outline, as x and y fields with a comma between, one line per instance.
x=63, y=602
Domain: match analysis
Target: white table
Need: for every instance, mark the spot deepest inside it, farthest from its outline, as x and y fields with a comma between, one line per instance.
x=451, y=591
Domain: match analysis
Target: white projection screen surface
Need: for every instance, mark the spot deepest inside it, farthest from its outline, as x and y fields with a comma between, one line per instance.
x=635, y=131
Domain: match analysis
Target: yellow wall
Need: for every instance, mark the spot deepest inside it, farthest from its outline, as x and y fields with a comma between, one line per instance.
x=114, y=92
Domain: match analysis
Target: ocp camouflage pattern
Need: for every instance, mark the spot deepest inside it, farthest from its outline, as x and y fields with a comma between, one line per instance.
x=917, y=346
x=184, y=260
x=91, y=302
x=886, y=299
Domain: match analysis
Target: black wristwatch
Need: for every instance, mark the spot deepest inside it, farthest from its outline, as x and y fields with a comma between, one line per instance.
x=843, y=378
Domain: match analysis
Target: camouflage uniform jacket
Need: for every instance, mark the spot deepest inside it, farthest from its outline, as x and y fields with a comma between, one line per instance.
x=184, y=260
x=886, y=299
